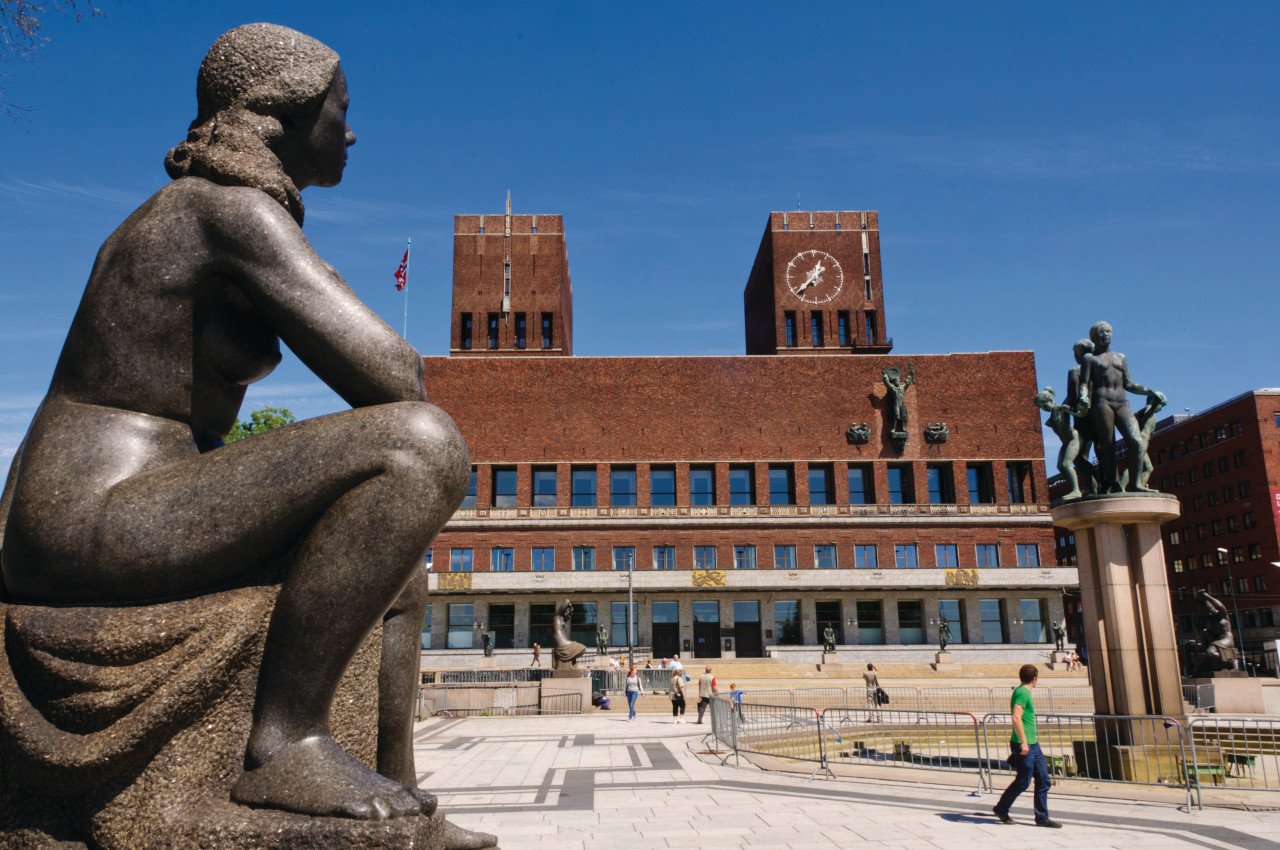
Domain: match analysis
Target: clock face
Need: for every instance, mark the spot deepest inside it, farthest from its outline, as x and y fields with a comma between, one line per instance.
x=814, y=276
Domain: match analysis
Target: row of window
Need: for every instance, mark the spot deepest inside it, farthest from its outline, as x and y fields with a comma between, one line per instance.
x=1242, y=586
x=825, y=557
x=1211, y=559
x=1214, y=528
x=1191, y=474
x=1210, y=497
x=866, y=619
x=860, y=481
x=1252, y=618
x=1199, y=441
x=817, y=333
x=466, y=331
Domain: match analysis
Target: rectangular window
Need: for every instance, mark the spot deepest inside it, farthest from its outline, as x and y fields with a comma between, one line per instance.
x=982, y=489
x=618, y=624
x=1021, y=482
x=522, y=331
x=544, y=487
x=584, y=559
x=1233, y=524
x=1208, y=469
x=493, y=330
x=1028, y=554
x=988, y=554
x=1260, y=584
x=862, y=487
x=1243, y=489
x=789, y=328
x=784, y=557
x=1237, y=554
x=662, y=486
x=461, y=625
x=843, y=330
x=824, y=556
x=1255, y=551
x=624, y=557
x=951, y=612
x=905, y=555
x=1228, y=494
x=464, y=332
x=864, y=557
x=1177, y=566
x=504, y=486
x=782, y=485
x=742, y=485
x=822, y=484
x=942, y=489
x=460, y=560
x=583, y=481
x=1033, y=621
x=546, y=330
x=910, y=621
x=870, y=621
x=702, y=485
x=544, y=559
x=744, y=557
x=946, y=556
x=991, y=614
x=786, y=621
x=541, y=617
x=901, y=487
x=502, y=560
x=664, y=557
x=815, y=329
x=469, y=500
x=582, y=626
x=1215, y=528
x=426, y=629
x=704, y=557
x=1211, y=498
x=1238, y=459
x=1248, y=519
x=828, y=614
x=870, y=317
x=622, y=486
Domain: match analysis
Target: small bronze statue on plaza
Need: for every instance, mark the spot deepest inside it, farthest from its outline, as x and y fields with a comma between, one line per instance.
x=944, y=635
x=565, y=653
x=1096, y=405
x=828, y=639
x=602, y=639
x=1059, y=636
x=486, y=640
x=1217, y=650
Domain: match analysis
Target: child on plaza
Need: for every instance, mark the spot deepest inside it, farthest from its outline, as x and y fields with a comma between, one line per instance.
x=735, y=694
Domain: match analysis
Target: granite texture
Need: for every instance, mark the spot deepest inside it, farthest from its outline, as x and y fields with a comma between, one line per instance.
x=184, y=618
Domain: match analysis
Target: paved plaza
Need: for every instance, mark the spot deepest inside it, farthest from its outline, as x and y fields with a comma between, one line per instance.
x=599, y=781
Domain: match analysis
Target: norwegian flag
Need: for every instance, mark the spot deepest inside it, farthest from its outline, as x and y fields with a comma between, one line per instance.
x=402, y=273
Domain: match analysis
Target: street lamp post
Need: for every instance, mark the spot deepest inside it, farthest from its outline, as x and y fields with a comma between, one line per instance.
x=631, y=661
x=1235, y=606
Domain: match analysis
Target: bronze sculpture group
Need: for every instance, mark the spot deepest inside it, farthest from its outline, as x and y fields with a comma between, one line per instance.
x=124, y=518
x=1095, y=407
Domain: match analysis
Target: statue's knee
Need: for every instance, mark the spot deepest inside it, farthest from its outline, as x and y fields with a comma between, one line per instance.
x=430, y=446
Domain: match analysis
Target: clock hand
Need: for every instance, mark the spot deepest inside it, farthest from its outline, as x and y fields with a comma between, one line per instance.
x=814, y=278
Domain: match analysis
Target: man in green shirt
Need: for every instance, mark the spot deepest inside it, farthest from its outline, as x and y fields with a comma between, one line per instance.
x=1025, y=755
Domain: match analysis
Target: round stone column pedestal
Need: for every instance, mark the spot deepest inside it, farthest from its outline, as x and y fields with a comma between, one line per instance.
x=1128, y=617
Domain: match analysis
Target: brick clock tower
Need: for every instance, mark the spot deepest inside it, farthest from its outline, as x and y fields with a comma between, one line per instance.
x=815, y=287
x=511, y=289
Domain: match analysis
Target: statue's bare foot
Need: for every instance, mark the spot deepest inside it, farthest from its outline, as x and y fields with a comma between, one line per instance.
x=315, y=777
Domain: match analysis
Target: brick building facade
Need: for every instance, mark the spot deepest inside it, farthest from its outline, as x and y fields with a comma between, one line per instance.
x=731, y=491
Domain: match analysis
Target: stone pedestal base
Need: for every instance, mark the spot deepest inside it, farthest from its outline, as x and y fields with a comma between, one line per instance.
x=566, y=694
x=943, y=660
x=1058, y=660
x=1234, y=693
x=489, y=663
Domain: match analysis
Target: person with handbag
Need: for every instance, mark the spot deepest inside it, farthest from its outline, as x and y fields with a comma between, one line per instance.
x=677, y=696
x=872, y=680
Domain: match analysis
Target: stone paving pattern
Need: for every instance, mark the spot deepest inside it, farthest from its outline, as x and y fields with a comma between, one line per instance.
x=598, y=781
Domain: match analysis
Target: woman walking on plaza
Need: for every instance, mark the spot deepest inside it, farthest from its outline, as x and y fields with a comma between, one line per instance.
x=677, y=696
x=633, y=691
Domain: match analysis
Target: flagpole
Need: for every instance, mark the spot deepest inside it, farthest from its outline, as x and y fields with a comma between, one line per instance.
x=407, y=248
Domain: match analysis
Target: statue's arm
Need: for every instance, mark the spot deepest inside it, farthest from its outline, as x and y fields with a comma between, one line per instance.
x=1134, y=387
x=1086, y=374
x=312, y=309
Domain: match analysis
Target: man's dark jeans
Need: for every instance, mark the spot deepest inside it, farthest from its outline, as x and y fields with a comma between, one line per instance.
x=1032, y=764
x=703, y=702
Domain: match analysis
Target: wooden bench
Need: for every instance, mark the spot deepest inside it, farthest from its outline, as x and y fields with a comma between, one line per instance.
x=1238, y=763
x=1195, y=772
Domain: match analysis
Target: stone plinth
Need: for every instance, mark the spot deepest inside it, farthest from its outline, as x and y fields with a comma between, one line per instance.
x=1128, y=617
x=1234, y=693
x=943, y=660
x=556, y=693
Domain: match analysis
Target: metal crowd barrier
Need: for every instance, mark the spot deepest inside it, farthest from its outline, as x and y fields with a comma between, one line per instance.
x=1199, y=697
x=515, y=674
x=481, y=699
x=931, y=740
x=651, y=680
x=1241, y=753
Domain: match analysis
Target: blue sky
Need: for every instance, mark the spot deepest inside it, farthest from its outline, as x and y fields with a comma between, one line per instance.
x=1035, y=167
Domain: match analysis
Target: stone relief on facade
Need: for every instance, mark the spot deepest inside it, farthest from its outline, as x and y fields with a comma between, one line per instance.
x=936, y=432
x=859, y=433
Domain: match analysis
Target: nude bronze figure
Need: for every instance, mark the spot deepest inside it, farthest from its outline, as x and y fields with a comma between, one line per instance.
x=123, y=494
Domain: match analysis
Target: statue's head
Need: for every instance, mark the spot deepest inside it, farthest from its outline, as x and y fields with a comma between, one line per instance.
x=271, y=115
x=1100, y=334
x=1045, y=399
x=1081, y=348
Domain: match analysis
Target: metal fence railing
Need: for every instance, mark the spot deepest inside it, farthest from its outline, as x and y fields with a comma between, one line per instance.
x=1199, y=697
x=1241, y=753
x=456, y=677
x=488, y=699
x=973, y=700
x=651, y=681
x=932, y=740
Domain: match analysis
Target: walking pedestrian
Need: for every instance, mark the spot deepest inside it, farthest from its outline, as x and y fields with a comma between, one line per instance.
x=1025, y=755
x=706, y=689
x=537, y=655
x=872, y=680
x=634, y=690
x=677, y=696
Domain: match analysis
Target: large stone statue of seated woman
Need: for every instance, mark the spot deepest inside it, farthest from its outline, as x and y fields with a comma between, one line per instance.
x=124, y=495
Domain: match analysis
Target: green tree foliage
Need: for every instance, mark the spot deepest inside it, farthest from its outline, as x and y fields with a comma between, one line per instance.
x=20, y=35
x=263, y=419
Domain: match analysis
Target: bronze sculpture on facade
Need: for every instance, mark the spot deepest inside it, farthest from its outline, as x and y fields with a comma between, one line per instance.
x=123, y=495
x=896, y=402
x=566, y=652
